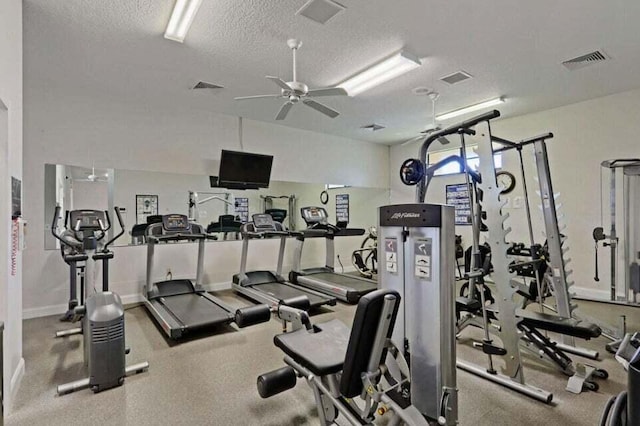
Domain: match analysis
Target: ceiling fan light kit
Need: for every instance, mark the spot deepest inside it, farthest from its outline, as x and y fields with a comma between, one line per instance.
x=388, y=69
x=184, y=11
x=471, y=108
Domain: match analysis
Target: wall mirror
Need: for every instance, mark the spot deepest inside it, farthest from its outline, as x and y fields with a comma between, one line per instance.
x=144, y=194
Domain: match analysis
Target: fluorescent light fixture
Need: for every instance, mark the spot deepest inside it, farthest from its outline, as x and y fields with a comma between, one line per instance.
x=470, y=108
x=390, y=68
x=181, y=18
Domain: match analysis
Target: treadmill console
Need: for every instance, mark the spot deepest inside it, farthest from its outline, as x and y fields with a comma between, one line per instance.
x=313, y=215
x=263, y=222
x=175, y=223
x=88, y=220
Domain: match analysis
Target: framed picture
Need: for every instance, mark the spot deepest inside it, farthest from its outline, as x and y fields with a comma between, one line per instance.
x=458, y=196
x=146, y=205
x=342, y=208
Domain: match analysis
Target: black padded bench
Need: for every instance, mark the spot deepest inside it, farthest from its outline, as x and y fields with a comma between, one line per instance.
x=556, y=324
x=334, y=347
x=321, y=352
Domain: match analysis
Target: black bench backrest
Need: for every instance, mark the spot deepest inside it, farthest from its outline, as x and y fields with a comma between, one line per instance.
x=362, y=339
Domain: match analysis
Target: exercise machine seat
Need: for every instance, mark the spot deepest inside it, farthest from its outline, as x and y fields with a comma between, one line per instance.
x=321, y=352
x=561, y=325
x=363, y=338
x=468, y=304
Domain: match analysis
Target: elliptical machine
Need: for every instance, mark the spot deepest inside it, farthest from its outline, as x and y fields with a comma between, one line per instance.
x=103, y=313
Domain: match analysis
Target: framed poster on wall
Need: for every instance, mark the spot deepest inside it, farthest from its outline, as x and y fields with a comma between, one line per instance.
x=146, y=205
x=458, y=196
x=242, y=209
x=342, y=208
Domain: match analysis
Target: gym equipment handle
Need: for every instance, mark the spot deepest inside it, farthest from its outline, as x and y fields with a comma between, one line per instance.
x=54, y=226
x=120, y=222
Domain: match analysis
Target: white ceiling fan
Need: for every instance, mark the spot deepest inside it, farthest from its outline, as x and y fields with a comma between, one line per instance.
x=93, y=177
x=433, y=127
x=296, y=91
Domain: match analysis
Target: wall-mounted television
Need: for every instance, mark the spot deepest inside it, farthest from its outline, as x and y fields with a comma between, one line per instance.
x=243, y=170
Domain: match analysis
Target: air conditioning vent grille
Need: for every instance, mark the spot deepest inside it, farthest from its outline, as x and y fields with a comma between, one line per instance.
x=205, y=85
x=456, y=77
x=373, y=127
x=320, y=11
x=585, y=60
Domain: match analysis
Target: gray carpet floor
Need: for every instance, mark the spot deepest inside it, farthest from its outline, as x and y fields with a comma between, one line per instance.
x=209, y=379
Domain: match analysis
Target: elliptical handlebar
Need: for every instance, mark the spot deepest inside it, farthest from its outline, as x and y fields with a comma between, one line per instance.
x=54, y=226
x=120, y=223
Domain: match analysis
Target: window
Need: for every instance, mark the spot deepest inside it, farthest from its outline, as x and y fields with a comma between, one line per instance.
x=453, y=167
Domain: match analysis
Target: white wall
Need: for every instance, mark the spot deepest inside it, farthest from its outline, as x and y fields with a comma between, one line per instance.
x=10, y=165
x=61, y=129
x=586, y=133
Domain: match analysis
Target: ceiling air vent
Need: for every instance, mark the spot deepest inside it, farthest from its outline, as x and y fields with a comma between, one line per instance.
x=585, y=60
x=205, y=85
x=456, y=77
x=320, y=11
x=373, y=127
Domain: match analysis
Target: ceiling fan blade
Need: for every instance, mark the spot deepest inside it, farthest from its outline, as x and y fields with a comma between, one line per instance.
x=282, y=114
x=412, y=140
x=280, y=82
x=242, y=98
x=329, y=91
x=322, y=108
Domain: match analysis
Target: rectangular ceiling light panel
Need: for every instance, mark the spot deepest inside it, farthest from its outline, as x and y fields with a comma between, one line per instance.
x=392, y=67
x=470, y=109
x=184, y=11
x=320, y=11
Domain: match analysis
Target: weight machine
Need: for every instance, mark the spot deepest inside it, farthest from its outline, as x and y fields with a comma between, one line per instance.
x=485, y=193
x=195, y=201
x=623, y=237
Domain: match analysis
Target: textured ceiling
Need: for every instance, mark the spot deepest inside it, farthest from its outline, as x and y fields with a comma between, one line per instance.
x=512, y=48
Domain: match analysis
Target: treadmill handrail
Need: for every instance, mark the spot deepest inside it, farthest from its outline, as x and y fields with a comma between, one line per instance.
x=266, y=234
x=180, y=237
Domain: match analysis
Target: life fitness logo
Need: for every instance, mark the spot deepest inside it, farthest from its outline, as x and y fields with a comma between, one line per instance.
x=404, y=215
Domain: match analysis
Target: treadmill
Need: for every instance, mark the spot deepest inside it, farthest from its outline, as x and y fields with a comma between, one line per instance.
x=267, y=286
x=180, y=306
x=347, y=288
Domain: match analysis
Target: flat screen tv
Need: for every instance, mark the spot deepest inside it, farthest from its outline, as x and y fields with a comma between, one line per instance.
x=243, y=170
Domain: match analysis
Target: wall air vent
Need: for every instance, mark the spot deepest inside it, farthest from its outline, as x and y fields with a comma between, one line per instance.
x=585, y=60
x=456, y=77
x=373, y=127
x=205, y=85
x=320, y=11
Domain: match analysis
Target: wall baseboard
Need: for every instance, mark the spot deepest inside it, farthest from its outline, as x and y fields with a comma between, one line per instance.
x=590, y=293
x=45, y=311
x=14, y=385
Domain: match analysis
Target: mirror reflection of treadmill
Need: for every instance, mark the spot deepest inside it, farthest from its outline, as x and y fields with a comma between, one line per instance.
x=267, y=286
x=348, y=288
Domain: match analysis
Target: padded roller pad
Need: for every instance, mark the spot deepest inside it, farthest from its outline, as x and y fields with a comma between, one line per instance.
x=252, y=315
x=321, y=352
x=298, y=302
x=561, y=325
x=468, y=304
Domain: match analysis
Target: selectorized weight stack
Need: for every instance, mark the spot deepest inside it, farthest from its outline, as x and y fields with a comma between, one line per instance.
x=417, y=252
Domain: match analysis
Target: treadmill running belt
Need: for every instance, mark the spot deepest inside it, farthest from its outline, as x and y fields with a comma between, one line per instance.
x=194, y=311
x=345, y=281
x=283, y=292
